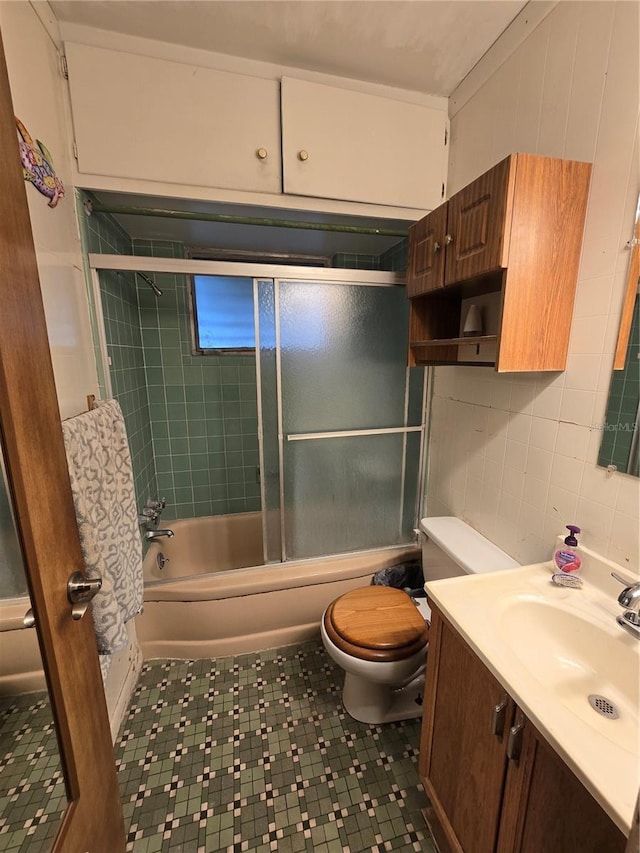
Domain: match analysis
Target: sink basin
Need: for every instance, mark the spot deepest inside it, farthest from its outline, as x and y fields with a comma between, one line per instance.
x=577, y=657
x=566, y=663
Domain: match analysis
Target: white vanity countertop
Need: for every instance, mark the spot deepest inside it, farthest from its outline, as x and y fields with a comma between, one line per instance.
x=550, y=647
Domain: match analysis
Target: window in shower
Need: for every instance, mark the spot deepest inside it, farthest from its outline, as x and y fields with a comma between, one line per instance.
x=223, y=314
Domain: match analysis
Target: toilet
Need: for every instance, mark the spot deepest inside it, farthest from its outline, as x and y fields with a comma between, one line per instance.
x=378, y=635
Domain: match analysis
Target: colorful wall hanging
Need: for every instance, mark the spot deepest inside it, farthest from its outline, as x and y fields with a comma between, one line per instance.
x=37, y=166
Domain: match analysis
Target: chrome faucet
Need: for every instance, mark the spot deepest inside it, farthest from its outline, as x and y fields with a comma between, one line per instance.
x=158, y=534
x=629, y=598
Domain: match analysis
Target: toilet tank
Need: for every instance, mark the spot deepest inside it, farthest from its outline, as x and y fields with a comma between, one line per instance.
x=450, y=547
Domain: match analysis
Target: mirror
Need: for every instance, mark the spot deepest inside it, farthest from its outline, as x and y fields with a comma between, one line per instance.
x=619, y=447
x=32, y=787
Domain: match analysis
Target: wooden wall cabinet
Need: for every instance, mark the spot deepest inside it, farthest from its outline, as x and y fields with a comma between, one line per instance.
x=510, y=242
x=483, y=800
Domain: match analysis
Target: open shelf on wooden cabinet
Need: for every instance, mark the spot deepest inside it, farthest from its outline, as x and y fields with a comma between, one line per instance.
x=477, y=339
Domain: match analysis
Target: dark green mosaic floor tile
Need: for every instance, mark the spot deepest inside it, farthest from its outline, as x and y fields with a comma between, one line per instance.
x=32, y=792
x=255, y=753
x=252, y=753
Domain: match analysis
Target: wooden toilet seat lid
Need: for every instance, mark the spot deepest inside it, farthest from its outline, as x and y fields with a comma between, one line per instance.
x=379, y=618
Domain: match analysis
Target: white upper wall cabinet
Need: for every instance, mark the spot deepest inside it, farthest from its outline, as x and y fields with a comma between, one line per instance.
x=157, y=120
x=343, y=144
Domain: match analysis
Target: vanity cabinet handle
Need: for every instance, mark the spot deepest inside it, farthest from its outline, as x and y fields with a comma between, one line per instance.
x=448, y=239
x=514, y=744
x=498, y=716
x=436, y=246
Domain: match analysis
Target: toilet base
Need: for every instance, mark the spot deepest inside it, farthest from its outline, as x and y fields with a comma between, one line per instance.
x=373, y=703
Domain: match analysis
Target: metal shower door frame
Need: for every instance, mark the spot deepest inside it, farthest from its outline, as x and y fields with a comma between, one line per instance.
x=278, y=274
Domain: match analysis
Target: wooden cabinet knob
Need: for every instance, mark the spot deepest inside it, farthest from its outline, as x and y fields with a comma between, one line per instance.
x=303, y=155
x=262, y=153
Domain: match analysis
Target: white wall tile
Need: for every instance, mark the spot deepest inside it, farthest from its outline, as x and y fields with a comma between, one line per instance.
x=571, y=89
x=593, y=296
x=589, y=75
x=572, y=440
x=519, y=428
x=539, y=463
x=582, y=372
x=587, y=335
x=599, y=486
x=543, y=433
x=596, y=522
x=547, y=403
x=535, y=491
x=558, y=74
x=533, y=54
x=577, y=407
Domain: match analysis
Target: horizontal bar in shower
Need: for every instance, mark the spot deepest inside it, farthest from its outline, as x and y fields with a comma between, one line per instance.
x=348, y=433
x=283, y=272
x=193, y=216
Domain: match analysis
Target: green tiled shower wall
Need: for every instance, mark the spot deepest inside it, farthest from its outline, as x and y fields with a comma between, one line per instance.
x=191, y=419
x=393, y=260
x=203, y=408
x=622, y=406
x=124, y=344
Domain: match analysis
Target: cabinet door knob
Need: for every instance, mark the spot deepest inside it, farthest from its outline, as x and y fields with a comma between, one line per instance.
x=303, y=155
x=498, y=716
x=262, y=153
x=514, y=744
x=436, y=246
x=448, y=239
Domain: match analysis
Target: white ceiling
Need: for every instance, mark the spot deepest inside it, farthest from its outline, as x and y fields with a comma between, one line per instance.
x=424, y=45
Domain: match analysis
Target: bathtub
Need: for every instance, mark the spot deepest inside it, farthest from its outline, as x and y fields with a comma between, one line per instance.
x=20, y=662
x=192, y=613
x=214, y=543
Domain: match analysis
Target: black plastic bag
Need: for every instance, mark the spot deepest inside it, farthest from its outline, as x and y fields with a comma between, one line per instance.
x=406, y=576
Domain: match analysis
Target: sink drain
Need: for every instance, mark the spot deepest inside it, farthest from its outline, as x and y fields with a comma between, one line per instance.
x=603, y=706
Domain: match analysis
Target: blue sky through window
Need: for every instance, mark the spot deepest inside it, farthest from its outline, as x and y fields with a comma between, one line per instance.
x=224, y=312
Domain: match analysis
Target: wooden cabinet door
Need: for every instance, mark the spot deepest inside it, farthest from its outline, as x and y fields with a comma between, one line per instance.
x=38, y=477
x=464, y=762
x=174, y=123
x=547, y=808
x=426, y=253
x=343, y=144
x=478, y=225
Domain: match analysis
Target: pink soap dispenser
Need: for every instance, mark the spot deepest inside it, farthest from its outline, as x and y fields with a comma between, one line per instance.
x=567, y=560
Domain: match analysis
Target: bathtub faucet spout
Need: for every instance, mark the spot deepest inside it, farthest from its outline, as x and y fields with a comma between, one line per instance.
x=157, y=534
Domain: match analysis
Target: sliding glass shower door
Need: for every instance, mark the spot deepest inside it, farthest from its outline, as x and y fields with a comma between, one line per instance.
x=349, y=416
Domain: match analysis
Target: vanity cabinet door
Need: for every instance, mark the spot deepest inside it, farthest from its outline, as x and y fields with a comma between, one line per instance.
x=477, y=225
x=547, y=808
x=427, y=253
x=463, y=762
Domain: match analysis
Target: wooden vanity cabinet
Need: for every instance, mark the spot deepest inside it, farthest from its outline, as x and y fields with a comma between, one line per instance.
x=483, y=801
x=510, y=241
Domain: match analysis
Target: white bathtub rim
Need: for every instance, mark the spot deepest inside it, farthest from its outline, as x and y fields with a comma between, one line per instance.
x=276, y=576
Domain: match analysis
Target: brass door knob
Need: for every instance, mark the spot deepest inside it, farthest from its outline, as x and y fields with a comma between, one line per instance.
x=303, y=155
x=262, y=153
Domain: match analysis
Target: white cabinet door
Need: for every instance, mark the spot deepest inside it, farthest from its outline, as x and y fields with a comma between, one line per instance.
x=343, y=144
x=152, y=119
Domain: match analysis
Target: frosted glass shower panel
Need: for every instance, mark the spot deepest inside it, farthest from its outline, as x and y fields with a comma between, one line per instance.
x=343, y=494
x=343, y=356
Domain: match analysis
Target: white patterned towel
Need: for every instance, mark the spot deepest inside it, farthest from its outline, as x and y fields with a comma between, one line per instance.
x=102, y=485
